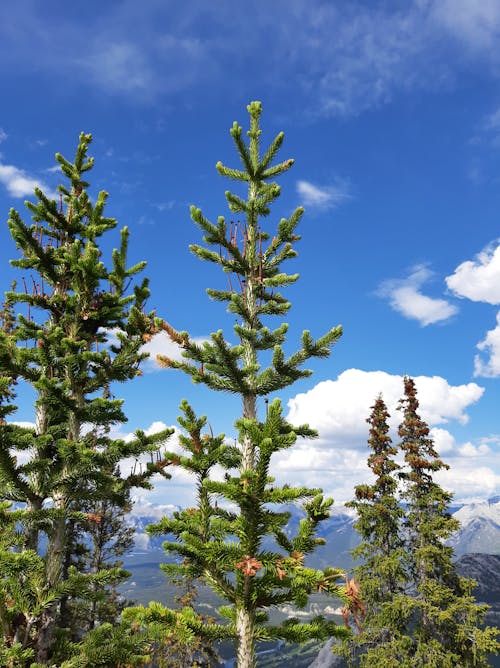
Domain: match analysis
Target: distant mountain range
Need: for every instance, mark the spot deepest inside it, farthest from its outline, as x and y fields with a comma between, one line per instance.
x=479, y=532
x=476, y=546
x=480, y=528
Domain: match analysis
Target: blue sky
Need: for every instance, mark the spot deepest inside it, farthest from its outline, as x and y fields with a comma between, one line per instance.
x=392, y=112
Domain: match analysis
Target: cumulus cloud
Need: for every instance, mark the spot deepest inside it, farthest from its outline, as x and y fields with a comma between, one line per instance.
x=144, y=508
x=20, y=184
x=444, y=442
x=336, y=462
x=181, y=488
x=324, y=197
x=339, y=408
x=404, y=296
x=478, y=279
x=162, y=344
x=466, y=481
x=470, y=450
x=489, y=368
x=24, y=423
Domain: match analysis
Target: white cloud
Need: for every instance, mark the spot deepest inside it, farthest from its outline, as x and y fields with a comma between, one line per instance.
x=119, y=66
x=24, y=423
x=478, y=279
x=181, y=487
x=491, y=345
x=144, y=508
x=20, y=184
x=338, y=408
x=162, y=344
x=466, y=481
x=405, y=297
x=474, y=24
x=443, y=440
x=470, y=450
x=3, y=135
x=324, y=197
x=56, y=169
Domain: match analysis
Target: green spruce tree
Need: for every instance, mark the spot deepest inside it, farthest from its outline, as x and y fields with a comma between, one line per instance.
x=22, y=595
x=382, y=573
x=446, y=624
x=95, y=544
x=227, y=546
x=79, y=330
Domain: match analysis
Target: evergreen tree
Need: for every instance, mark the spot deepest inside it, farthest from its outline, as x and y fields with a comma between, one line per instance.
x=95, y=545
x=79, y=329
x=381, y=573
x=22, y=596
x=419, y=611
x=446, y=623
x=225, y=546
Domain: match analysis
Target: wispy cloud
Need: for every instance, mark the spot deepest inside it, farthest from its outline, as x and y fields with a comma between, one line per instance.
x=20, y=184
x=145, y=68
x=404, y=296
x=3, y=135
x=164, y=206
x=475, y=25
x=323, y=197
x=478, y=279
x=379, y=49
x=119, y=67
x=492, y=121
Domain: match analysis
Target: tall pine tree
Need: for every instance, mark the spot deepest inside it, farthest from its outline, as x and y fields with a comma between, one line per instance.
x=229, y=548
x=382, y=571
x=79, y=329
x=96, y=544
x=419, y=611
x=445, y=628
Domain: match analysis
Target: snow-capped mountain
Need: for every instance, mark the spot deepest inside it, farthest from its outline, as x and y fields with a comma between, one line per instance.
x=145, y=513
x=338, y=531
x=479, y=531
x=479, y=528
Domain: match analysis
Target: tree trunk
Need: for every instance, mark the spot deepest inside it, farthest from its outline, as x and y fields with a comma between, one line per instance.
x=53, y=573
x=246, y=643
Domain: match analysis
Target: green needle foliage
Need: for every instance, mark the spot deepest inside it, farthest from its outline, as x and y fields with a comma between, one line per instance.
x=242, y=549
x=79, y=330
x=382, y=574
x=92, y=547
x=419, y=611
x=446, y=622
